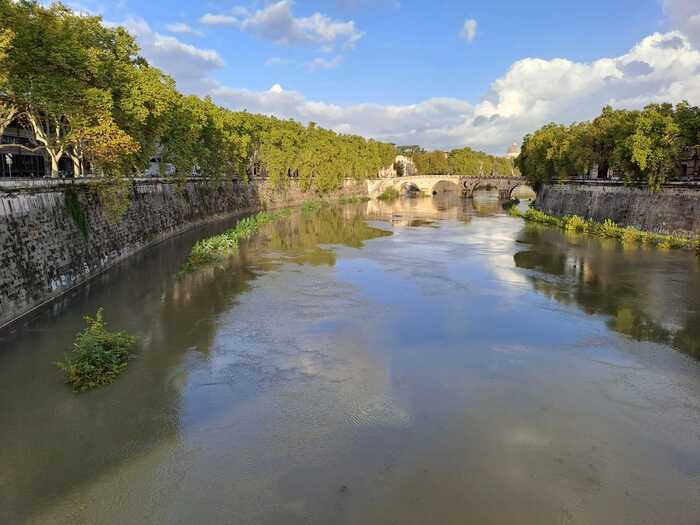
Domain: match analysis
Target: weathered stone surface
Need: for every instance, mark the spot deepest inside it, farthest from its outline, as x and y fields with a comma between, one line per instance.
x=671, y=210
x=44, y=253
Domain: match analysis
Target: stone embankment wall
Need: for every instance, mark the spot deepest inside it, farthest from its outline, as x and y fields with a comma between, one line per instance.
x=674, y=209
x=44, y=251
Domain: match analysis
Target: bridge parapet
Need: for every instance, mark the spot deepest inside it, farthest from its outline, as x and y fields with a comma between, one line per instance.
x=436, y=183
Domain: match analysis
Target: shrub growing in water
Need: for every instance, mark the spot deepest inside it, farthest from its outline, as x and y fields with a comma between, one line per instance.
x=98, y=356
x=609, y=229
x=574, y=223
x=389, y=194
x=221, y=246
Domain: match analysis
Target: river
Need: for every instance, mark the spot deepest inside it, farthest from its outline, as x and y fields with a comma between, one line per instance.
x=425, y=361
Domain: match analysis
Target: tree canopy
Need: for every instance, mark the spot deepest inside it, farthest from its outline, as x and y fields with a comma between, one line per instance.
x=465, y=161
x=636, y=145
x=84, y=92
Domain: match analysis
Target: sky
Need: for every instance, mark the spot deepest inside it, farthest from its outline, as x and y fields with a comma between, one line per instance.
x=441, y=74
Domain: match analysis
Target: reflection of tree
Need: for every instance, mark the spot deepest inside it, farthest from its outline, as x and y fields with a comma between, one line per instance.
x=53, y=441
x=602, y=282
x=301, y=236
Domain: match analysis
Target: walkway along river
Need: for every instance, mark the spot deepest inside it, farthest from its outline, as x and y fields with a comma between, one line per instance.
x=423, y=361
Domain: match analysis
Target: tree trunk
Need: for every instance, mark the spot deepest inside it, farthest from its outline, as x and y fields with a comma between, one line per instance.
x=54, y=164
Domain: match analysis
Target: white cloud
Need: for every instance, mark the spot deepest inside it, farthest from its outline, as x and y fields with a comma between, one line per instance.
x=323, y=63
x=182, y=28
x=218, y=20
x=469, y=30
x=276, y=22
x=685, y=15
x=277, y=61
x=662, y=67
x=190, y=66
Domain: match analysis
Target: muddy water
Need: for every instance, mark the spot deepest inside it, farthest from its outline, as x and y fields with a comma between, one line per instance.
x=426, y=361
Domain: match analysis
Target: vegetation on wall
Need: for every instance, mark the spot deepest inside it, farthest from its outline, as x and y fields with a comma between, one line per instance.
x=636, y=145
x=76, y=211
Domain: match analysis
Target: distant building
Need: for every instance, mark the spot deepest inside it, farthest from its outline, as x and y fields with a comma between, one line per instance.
x=690, y=163
x=513, y=151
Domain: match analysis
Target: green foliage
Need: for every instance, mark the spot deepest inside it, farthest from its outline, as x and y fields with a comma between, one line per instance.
x=608, y=229
x=224, y=245
x=465, y=162
x=637, y=146
x=98, y=356
x=389, y=194
x=574, y=224
x=535, y=215
x=76, y=211
x=82, y=91
x=631, y=235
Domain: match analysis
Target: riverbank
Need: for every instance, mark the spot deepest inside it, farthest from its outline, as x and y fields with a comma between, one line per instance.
x=672, y=210
x=608, y=229
x=55, y=234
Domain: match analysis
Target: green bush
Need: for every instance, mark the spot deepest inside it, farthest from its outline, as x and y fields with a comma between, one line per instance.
x=632, y=235
x=98, y=356
x=609, y=229
x=389, y=194
x=575, y=224
x=535, y=215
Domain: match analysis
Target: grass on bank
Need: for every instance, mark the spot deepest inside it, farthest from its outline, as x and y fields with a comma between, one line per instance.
x=98, y=355
x=221, y=246
x=607, y=229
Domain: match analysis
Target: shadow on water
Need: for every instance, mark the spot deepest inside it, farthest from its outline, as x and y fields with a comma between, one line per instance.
x=306, y=381
x=634, y=287
x=51, y=440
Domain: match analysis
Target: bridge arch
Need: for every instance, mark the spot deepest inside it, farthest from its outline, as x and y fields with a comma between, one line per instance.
x=521, y=187
x=409, y=187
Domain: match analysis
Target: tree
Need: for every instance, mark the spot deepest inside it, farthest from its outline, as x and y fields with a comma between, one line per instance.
x=650, y=154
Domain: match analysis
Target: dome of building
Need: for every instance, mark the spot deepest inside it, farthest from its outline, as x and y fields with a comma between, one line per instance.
x=513, y=151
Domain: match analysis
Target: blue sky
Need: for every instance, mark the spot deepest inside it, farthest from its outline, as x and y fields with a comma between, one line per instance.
x=443, y=73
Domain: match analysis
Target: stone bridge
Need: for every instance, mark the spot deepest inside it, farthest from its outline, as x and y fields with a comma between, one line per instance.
x=437, y=184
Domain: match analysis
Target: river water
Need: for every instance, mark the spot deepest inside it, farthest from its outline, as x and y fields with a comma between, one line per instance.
x=426, y=361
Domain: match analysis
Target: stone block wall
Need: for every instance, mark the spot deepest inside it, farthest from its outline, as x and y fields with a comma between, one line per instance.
x=44, y=251
x=675, y=209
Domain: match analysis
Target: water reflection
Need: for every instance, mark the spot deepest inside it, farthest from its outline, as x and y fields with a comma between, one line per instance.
x=381, y=362
x=635, y=289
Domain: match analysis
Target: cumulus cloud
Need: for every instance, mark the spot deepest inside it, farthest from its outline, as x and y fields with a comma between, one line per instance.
x=190, y=66
x=210, y=19
x=469, y=30
x=278, y=61
x=182, y=28
x=323, y=63
x=685, y=15
x=276, y=22
x=531, y=93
